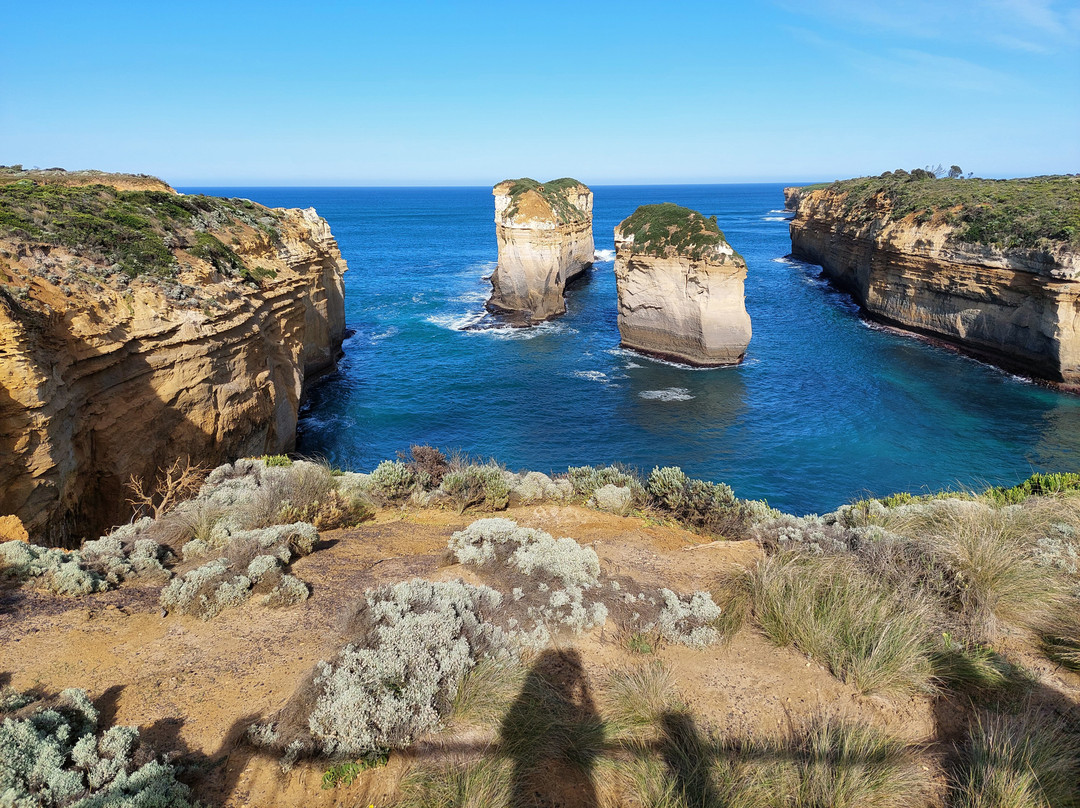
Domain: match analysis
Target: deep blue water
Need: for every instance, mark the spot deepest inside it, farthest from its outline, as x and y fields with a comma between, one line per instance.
x=825, y=408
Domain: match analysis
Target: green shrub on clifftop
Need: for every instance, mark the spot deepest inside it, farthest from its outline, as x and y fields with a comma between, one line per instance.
x=1028, y=212
x=669, y=228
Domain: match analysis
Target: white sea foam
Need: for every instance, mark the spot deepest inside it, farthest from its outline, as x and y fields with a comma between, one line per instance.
x=532, y=332
x=670, y=394
x=789, y=212
x=325, y=423
x=469, y=297
x=389, y=332
x=787, y=260
x=776, y=218
x=603, y=256
x=457, y=321
x=592, y=375
x=632, y=355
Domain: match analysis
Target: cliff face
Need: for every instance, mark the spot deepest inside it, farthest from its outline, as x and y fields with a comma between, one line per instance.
x=1018, y=308
x=545, y=239
x=104, y=376
x=684, y=303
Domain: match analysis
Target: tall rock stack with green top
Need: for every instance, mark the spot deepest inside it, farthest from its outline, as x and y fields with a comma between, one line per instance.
x=680, y=287
x=545, y=240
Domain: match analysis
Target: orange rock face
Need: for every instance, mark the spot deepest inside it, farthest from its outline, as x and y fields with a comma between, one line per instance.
x=102, y=377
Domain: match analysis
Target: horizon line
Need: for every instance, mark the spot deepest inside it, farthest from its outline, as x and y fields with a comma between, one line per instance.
x=491, y=185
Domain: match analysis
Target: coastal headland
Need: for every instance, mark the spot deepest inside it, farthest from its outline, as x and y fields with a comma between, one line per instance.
x=989, y=266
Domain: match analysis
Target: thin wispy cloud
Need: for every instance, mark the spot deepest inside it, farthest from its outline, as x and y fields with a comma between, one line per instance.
x=912, y=67
x=1031, y=26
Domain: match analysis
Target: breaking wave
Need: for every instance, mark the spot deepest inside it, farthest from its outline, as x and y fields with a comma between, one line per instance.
x=670, y=394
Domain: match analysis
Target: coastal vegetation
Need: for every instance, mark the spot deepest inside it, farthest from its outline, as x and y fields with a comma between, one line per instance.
x=668, y=228
x=556, y=193
x=137, y=233
x=1032, y=212
x=558, y=654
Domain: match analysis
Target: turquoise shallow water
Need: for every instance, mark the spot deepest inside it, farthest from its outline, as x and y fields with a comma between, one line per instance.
x=825, y=409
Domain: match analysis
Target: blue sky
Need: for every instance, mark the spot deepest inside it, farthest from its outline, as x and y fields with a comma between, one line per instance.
x=347, y=93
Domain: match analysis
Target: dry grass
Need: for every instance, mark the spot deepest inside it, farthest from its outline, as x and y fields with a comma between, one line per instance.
x=828, y=609
x=1001, y=582
x=483, y=783
x=637, y=699
x=1060, y=636
x=979, y=560
x=978, y=671
x=1020, y=761
x=487, y=692
x=826, y=762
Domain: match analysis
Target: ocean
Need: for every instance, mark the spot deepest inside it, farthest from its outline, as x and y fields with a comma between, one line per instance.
x=825, y=409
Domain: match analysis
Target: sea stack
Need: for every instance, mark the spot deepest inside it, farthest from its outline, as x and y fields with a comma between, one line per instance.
x=989, y=266
x=680, y=287
x=545, y=240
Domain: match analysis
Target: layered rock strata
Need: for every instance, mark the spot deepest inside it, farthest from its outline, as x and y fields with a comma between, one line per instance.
x=545, y=239
x=680, y=287
x=1018, y=308
x=107, y=373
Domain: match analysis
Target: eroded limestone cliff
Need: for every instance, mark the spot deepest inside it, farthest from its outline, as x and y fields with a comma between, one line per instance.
x=680, y=287
x=1018, y=307
x=168, y=326
x=544, y=233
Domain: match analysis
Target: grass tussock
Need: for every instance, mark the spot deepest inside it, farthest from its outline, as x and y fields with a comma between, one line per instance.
x=1020, y=761
x=479, y=784
x=487, y=691
x=825, y=762
x=1002, y=584
x=977, y=670
x=832, y=612
x=1060, y=636
x=983, y=560
x=636, y=699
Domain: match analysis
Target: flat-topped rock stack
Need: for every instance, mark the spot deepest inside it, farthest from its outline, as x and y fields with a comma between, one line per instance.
x=545, y=239
x=680, y=286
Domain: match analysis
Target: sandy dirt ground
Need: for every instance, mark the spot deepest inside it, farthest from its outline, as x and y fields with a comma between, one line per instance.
x=193, y=687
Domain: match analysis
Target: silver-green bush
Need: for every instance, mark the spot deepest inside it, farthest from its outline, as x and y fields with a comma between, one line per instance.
x=689, y=621
x=53, y=756
x=392, y=480
x=59, y=571
x=416, y=641
x=586, y=479
x=555, y=575
x=475, y=484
